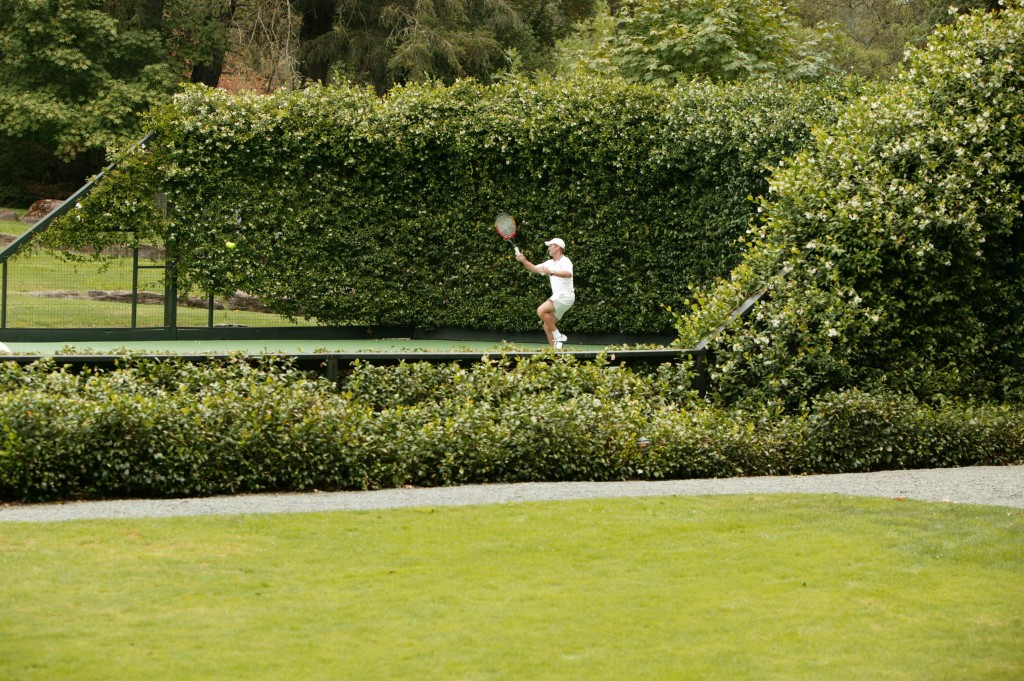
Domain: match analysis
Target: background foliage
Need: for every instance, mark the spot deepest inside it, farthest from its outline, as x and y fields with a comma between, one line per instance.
x=870, y=37
x=674, y=40
x=74, y=75
x=359, y=210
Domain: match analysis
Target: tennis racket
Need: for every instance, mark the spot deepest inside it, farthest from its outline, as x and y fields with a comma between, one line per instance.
x=505, y=226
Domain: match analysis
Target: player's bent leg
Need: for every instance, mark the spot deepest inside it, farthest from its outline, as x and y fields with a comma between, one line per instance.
x=546, y=312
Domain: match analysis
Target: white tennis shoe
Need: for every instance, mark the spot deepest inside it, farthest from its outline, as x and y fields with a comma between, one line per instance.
x=560, y=337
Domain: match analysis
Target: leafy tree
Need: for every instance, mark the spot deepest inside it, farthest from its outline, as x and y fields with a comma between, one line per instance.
x=667, y=40
x=872, y=36
x=588, y=49
x=206, y=31
x=74, y=75
x=548, y=21
x=671, y=41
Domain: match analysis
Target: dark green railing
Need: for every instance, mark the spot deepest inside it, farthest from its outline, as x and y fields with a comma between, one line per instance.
x=43, y=224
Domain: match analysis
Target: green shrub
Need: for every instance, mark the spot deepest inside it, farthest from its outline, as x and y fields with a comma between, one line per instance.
x=166, y=429
x=892, y=248
x=854, y=431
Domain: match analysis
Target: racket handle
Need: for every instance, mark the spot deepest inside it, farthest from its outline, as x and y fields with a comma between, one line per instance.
x=517, y=249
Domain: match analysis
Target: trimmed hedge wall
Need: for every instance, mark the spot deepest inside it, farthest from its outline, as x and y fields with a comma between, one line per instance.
x=353, y=209
x=152, y=429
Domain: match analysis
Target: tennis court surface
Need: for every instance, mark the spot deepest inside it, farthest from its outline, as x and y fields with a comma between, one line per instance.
x=281, y=346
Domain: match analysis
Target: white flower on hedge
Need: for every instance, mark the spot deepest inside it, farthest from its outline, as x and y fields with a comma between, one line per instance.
x=832, y=332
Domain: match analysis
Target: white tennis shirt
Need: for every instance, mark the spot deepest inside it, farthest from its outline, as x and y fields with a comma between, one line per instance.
x=561, y=287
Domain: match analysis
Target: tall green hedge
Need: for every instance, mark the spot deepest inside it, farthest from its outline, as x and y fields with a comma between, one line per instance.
x=354, y=209
x=894, y=247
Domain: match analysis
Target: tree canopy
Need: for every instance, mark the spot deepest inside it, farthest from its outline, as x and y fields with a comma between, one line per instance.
x=74, y=75
x=673, y=40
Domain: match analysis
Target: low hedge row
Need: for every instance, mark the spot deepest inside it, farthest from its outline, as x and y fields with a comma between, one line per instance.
x=165, y=429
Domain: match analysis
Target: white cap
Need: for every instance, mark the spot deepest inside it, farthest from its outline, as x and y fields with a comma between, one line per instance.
x=556, y=242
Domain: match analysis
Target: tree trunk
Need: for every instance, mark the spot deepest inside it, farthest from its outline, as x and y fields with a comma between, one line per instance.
x=209, y=72
x=317, y=21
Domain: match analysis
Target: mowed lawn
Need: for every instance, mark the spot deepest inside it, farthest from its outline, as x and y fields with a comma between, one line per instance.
x=739, y=587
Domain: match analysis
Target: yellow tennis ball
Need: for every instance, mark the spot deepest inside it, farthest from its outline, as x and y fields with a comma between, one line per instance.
x=230, y=244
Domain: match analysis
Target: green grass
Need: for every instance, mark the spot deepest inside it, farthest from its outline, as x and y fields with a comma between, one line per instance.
x=764, y=587
x=41, y=270
x=29, y=312
x=15, y=227
x=37, y=270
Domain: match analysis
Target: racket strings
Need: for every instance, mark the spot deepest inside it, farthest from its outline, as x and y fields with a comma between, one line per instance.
x=505, y=226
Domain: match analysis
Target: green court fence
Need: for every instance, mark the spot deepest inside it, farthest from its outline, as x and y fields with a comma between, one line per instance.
x=45, y=294
x=130, y=289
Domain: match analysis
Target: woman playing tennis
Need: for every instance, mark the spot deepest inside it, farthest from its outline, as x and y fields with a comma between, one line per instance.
x=559, y=269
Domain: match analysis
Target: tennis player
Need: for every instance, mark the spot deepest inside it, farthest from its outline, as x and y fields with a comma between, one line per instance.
x=559, y=269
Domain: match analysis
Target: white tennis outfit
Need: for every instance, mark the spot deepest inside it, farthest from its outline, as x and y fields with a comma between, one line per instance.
x=563, y=295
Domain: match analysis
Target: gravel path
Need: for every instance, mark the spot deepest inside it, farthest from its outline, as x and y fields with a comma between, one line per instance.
x=986, y=485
